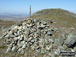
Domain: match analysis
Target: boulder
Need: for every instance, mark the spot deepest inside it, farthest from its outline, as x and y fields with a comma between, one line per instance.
x=71, y=40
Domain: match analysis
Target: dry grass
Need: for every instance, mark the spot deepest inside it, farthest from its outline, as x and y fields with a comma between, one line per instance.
x=7, y=23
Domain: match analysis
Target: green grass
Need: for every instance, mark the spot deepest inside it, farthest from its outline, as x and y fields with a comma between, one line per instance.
x=2, y=47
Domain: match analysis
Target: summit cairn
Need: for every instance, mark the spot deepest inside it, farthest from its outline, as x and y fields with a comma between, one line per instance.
x=40, y=37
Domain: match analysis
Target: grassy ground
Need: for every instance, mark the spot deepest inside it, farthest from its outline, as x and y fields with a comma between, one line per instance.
x=7, y=23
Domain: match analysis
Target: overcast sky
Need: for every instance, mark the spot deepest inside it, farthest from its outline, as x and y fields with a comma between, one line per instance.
x=22, y=6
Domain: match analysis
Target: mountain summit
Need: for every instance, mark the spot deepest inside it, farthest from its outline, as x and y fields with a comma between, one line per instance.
x=60, y=16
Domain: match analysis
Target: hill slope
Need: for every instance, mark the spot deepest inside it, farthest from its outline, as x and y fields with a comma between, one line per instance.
x=60, y=16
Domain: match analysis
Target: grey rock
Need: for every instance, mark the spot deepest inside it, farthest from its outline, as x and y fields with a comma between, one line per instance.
x=71, y=39
x=57, y=52
x=13, y=48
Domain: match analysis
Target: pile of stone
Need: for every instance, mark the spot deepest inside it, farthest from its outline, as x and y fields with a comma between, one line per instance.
x=39, y=37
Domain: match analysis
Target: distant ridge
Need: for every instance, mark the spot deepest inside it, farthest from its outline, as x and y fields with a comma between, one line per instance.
x=60, y=16
x=13, y=17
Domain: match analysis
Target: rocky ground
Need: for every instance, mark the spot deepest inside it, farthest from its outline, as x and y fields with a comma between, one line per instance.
x=37, y=38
